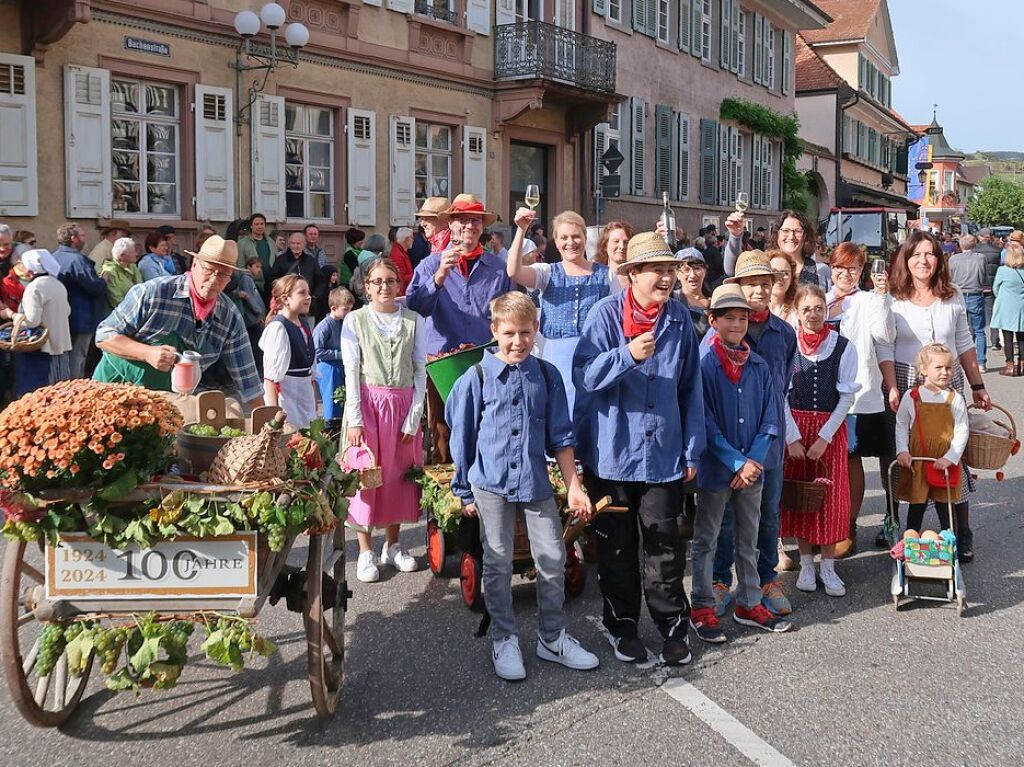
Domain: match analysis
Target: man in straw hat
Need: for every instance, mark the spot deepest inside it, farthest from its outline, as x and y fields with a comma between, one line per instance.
x=775, y=342
x=453, y=290
x=639, y=424
x=110, y=233
x=433, y=217
x=142, y=337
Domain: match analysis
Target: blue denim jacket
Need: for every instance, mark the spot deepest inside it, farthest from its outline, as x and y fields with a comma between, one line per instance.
x=85, y=288
x=740, y=420
x=459, y=311
x=501, y=432
x=638, y=422
x=777, y=347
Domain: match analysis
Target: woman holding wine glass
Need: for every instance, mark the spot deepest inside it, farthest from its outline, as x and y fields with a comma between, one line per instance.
x=568, y=288
x=794, y=235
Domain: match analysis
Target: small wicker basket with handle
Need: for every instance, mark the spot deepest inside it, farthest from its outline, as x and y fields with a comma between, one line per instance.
x=806, y=496
x=256, y=458
x=988, y=451
x=14, y=345
x=371, y=477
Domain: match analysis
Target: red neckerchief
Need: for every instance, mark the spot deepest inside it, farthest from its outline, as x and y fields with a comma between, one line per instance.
x=635, y=319
x=733, y=358
x=761, y=316
x=203, y=307
x=439, y=240
x=811, y=342
x=466, y=259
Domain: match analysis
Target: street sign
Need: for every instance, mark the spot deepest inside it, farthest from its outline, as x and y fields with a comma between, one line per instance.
x=611, y=159
x=611, y=185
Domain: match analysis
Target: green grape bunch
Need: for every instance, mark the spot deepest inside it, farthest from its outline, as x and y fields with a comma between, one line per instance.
x=51, y=645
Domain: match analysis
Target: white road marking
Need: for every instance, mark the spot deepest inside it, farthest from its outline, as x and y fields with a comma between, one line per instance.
x=735, y=733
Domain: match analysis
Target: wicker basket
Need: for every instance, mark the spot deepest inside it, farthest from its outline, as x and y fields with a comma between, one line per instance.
x=372, y=476
x=22, y=346
x=987, y=451
x=256, y=458
x=805, y=496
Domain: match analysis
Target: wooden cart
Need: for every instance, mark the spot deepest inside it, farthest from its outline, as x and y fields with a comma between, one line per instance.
x=25, y=609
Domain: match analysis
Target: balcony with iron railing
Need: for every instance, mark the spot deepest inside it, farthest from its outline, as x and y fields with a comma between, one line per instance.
x=534, y=50
x=436, y=9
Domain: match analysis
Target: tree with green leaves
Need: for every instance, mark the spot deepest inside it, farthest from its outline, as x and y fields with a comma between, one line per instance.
x=1000, y=202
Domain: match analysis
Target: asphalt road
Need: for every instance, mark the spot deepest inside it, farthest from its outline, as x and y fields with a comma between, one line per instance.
x=854, y=683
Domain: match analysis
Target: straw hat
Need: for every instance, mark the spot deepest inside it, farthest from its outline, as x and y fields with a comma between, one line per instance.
x=728, y=297
x=1017, y=236
x=646, y=248
x=471, y=204
x=115, y=223
x=433, y=207
x=217, y=250
x=752, y=263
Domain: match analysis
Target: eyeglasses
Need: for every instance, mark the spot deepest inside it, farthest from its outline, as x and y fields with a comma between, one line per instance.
x=692, y=268
x=791, y=232
x=781, y=279
x=848, y=270
x=390, y=282
x=217, y=273
x=469, y=220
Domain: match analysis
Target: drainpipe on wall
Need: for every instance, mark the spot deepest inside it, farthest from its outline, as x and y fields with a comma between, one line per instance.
x=846, y=97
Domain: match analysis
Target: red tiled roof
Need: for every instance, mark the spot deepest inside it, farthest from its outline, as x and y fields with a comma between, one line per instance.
x=851, y=20
x=812, y=73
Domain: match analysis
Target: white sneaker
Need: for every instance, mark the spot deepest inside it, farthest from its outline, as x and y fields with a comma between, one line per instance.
x=508, y=659
x=808, y=580
x=396, y=556
x=834, y=585
x=366, y=567
x=567, y=651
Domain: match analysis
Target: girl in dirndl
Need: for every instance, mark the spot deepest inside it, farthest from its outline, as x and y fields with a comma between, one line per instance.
x=384, y=351
x=931, y=423
x=288, y=354
x=820, y=396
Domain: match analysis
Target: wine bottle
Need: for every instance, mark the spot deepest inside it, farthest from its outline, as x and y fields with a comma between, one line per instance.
x=668, y=218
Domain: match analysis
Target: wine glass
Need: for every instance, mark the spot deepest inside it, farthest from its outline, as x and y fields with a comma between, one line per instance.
x=878, y=266
x=532, y=196
x=742, y=202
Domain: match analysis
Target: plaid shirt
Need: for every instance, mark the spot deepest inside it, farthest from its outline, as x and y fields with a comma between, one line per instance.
x=154, y=309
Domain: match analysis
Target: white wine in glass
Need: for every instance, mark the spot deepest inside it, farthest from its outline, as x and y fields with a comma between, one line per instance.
x=532, y=196
x=742, y=202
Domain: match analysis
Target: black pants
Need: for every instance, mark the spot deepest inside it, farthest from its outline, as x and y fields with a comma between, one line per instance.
x=915, y=515
x=653, y=521
x=1008, y=339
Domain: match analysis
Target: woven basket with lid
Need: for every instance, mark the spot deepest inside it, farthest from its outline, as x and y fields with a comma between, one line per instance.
x=256, y=458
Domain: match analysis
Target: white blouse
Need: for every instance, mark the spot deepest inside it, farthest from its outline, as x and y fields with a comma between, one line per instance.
x=944, y=322
x=277, y=351
x=846, y=384
x=867, y=322
x=388, y=324
x=961, y=425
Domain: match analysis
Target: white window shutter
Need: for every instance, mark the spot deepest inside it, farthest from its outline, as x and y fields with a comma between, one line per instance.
x=215, y=184
x=600, y=7
x=685, y=24
x=696, y=28
x=478, y=16
x=724, y=165
x=474, y=161
x=725, y=35
x=403, y=170
x=755, y=171
x=787, y=59
x=600, y=145
x=268, y=181
x=87, y=145
x=373, y=2
x=19, y=164
x=638, y=130
x=362, y=167
x=758, y=46
x=734, y=62
x=681, y=156
x=504, y=12
x=401, y=6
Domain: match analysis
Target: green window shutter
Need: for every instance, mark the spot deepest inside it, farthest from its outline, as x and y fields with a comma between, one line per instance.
x=685, y=24
x=696, y=34
x=708, y=160
x=662, y=149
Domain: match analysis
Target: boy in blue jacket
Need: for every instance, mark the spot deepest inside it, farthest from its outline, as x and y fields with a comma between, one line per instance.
x=741, y=424
x=504, y=413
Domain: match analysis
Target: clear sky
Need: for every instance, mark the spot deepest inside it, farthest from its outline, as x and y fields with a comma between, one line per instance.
x=961, y=55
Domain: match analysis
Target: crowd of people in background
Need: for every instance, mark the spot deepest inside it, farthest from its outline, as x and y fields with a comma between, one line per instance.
x=690, y=384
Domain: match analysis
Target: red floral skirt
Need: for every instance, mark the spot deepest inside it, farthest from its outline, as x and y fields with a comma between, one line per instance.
x=832, y=523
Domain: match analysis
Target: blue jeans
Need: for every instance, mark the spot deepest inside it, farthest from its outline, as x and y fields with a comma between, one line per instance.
x=767, y=534
x=976, y=317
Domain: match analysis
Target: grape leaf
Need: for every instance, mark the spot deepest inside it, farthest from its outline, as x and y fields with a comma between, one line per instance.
x=263, y=646
x=165, y=674
x=216, y=647
x=145, y=655
x=120, y=487
x=222, y=526
x=122, y=680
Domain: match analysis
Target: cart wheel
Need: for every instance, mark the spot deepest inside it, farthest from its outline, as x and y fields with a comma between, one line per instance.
x=470, y=575
x=961, y=607
x=43, y=701
x=437, y=549
x=574, y=577
x=325, y=621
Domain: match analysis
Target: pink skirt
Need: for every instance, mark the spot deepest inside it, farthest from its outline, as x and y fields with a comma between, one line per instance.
x=397, y=500
x=832, y=523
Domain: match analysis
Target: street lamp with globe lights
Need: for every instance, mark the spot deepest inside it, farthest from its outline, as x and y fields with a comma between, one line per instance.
x=252, y=58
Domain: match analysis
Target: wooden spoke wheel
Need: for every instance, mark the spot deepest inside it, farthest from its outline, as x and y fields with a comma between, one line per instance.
x=44, y=701
x=574, y=577
x=324, y=619
x=437, y=548
x=471, y=582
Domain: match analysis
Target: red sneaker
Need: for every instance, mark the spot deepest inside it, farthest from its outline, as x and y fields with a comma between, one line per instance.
x=760, y=617
x=705, y=625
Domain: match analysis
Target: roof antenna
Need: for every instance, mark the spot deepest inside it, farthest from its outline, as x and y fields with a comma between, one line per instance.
x=935, y=109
